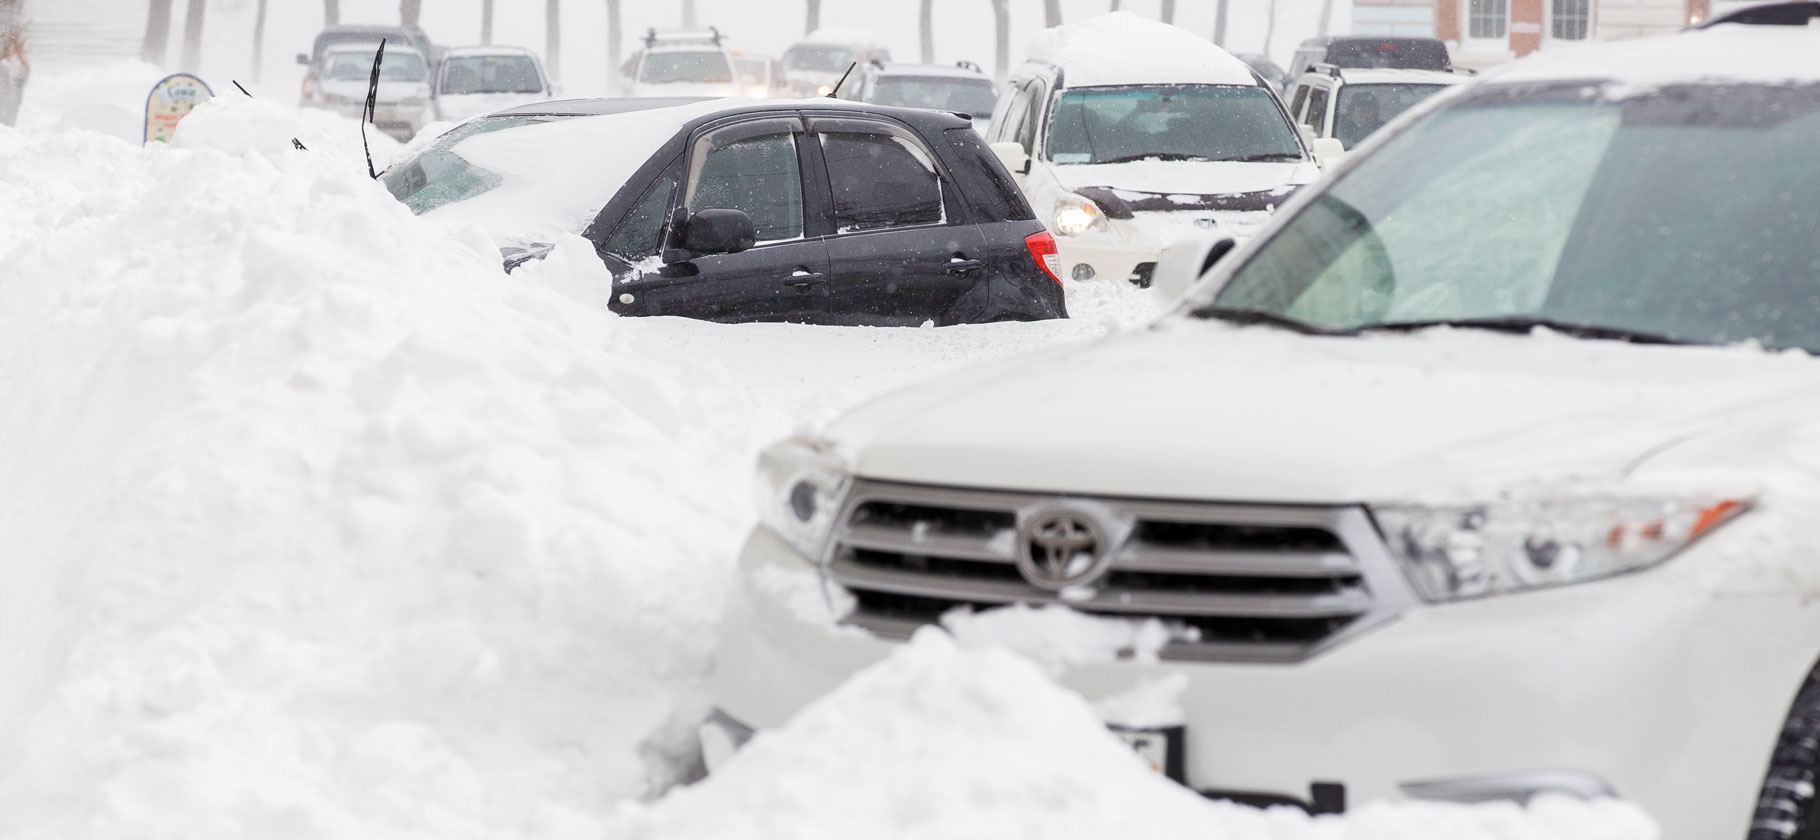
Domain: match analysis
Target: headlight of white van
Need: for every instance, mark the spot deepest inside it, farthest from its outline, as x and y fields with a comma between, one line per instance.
x=1075, y=215
x=800, y=486
x=1469, y=551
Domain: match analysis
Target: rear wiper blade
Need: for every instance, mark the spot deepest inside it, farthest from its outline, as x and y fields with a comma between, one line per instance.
x=1247, y=316
x=1525, y=323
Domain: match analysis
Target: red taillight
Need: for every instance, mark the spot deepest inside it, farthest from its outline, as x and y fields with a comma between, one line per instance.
x=1042, y=249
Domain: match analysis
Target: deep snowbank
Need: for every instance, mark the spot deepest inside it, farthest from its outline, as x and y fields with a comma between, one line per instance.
x=315, y=525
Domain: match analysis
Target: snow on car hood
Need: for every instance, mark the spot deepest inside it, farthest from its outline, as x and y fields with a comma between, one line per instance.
x=1209, y=411
x=1186, y=178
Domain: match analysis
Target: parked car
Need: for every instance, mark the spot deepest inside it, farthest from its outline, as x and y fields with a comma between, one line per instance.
x=814, y=65
x=475, y=80
x=684, y=62
x=827, y=212
x=1484, y=472
x=960, y=89
x=760, y=76
x=1273, y=74
x=345, y=34
x=1348, y=105
x=1369, y=51
x=339, y=82
x=1119, y=157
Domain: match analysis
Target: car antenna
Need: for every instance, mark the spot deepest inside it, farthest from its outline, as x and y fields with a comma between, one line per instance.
x=366, y=113
x=843, y=80
x=242, y=88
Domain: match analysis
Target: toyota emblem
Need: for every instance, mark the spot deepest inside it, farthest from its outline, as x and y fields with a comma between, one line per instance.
x=1062, y=548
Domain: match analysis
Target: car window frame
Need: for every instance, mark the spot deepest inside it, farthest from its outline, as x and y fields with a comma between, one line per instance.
x=954, y=209
x=754, y=125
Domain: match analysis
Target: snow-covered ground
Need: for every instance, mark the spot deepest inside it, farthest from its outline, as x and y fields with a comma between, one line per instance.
x=314, y=524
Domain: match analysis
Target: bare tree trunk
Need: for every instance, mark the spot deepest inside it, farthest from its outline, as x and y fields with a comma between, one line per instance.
x=813, y=15
x=1052, y=13
x=486, y=22
x=926, y=18
x=1116, y=4
x=410, y=12
x=1001, y=24
x=688, y=12
x=331, y=12
x=259, y=42
x=192, y=35
x=1270, y=27
x=1326, y=17
x=157, y=32
x=552, y=38
x=614, y=37
x=1219, y=22
x=1169, y=11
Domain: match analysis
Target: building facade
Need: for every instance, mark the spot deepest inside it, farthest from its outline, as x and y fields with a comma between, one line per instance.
x=1488, y=30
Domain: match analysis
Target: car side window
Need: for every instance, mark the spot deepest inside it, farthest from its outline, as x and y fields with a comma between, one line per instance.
x=1008, y=123
x=995, y=197
x=881, y=180
x=640, y=235
x=1317, y=111
x=1295, y=105
x=1033, y=114
x=757, y=175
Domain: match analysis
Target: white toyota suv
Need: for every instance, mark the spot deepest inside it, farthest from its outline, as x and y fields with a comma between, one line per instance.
x=1121, y=156
x=1489, y=468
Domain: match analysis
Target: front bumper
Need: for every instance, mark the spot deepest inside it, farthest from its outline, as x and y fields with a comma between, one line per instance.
x=1645, y=684
x=1126, y=250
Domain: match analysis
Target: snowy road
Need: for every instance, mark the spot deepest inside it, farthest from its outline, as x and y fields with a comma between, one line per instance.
x=315, y=525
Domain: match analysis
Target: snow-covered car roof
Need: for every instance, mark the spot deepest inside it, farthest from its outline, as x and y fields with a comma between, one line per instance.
x=843, y=37
x=1122, y=48
x=1382, y=76
x=1724, y=53
x=478, y=51
x=933, y=70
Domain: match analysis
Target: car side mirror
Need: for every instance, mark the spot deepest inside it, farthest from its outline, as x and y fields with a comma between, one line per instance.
x=1185, y=261
x=707, y=232
x=303, y=59
x=1013, y=156
x=1328, y=151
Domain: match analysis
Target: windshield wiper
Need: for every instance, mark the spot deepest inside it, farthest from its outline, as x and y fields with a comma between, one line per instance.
x=1247, y=316
x=1525, y=323
x=1153, y=156
x=1267, y=157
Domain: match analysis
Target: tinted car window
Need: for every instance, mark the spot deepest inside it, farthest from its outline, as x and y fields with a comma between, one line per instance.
x=699, y=67
x=757, y=175
x=397, y=66
x=995, y=198
x=1170, y=122
x=1402, y=54
x=1363, y=108
x=641, y=234
x=974, y=97
x=823, y=58
x=490, y=74
x=1317, y=111
x=880, y=181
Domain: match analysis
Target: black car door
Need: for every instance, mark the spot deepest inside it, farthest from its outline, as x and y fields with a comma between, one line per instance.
x=902, y=250
x=753, y=166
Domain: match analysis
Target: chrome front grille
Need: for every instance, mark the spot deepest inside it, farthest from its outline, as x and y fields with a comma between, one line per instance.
x=1240, y=582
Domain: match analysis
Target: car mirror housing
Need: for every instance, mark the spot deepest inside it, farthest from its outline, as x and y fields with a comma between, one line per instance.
x=1185, y=261
x=303, y=59
x=714, y=231
x=1328, y=151
x=1012, y=156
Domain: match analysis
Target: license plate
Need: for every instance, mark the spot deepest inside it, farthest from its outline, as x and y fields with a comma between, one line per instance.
x=1163, y=749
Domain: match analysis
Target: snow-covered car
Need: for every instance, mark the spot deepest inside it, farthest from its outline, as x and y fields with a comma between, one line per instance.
x=1348, y=105
x=814, y=65
x=959, y=88
x=1486, y=471
x=474, y=80
x=1368, y=52
x=684, y=62
x=1127, y=134
x=822, y=212
x=341, y=77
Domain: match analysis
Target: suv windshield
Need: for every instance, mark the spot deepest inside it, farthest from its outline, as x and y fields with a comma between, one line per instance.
x=398, y=66
x=1170, y=122
x=1364, y=108
x=490, y=74
x=703, y=67
x=818, y=58
x=1686, y=214
x=968, y=96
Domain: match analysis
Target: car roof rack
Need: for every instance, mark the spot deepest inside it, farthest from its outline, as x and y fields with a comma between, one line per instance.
x=1323, y=67
x=1770, y=14
x=710, y=35
x=964, y=64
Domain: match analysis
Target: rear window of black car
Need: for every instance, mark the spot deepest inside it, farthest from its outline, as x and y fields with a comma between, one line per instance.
x=989, y=191
x=1393, y=53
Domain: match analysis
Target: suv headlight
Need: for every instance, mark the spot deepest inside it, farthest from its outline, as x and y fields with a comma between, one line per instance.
x=800, y=486
x=1470, y=551
x=1075, y=215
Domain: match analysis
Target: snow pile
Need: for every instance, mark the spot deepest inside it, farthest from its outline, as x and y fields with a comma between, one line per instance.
x=943, y=742
x=1122, y=48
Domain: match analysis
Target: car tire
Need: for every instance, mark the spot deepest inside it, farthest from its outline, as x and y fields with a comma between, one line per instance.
x=1787, y=808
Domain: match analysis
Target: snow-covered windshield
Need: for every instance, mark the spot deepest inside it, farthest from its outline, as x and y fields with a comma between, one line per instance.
x=1365, y=108
x=438, y=176
x=398, y=66
x=490, y=74
x=967, y=96
x=704, y=67
x=818, y=58
x=1686, y=213
x=1170, y=122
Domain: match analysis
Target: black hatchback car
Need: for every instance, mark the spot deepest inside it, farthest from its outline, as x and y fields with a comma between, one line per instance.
x=815, y=211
